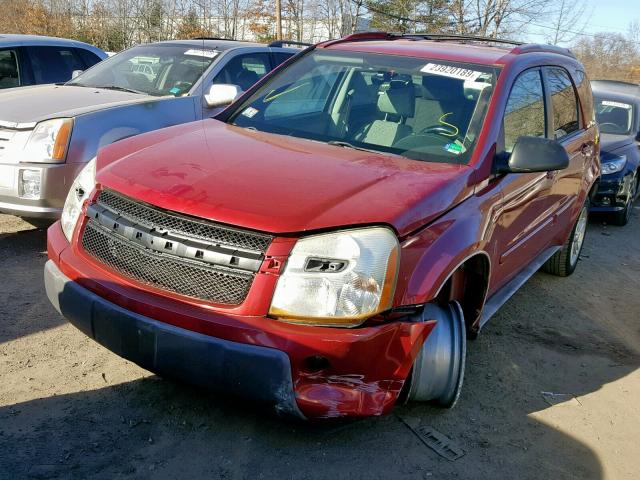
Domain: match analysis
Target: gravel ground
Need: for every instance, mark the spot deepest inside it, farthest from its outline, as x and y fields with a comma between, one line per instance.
x=71, y=409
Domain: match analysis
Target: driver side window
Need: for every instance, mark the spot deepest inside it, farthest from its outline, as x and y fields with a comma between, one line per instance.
x=525, y=112
x=244, y=70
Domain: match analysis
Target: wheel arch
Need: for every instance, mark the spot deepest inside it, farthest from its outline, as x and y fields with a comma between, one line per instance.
x=468, y=284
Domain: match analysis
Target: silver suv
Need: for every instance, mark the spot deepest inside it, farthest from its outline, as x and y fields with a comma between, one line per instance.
x=48, y=132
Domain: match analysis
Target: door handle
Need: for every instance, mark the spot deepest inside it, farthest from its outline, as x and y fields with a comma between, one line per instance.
x=587, y=149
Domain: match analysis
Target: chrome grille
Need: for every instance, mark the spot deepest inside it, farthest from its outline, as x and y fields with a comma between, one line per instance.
x=182, y=225
x=173, y=252
x=5, y=137
x=163, y=271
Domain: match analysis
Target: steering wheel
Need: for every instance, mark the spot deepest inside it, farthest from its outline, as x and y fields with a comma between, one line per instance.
x=444, y=130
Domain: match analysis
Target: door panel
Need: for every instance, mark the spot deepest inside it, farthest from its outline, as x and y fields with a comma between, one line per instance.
x=525, y=221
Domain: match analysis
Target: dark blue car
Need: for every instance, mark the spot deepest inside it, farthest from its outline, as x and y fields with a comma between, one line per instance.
x=617, y=107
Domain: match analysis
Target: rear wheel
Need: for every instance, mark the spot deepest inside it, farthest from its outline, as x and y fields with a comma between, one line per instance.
x=438, y=371
x=563, y=263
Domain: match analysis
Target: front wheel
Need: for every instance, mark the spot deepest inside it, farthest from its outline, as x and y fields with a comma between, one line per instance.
x=438, y=371
x=563, y=262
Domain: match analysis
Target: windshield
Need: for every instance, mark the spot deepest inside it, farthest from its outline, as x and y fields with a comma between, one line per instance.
x=614, y=117
x=418, y=108
x=150, y=69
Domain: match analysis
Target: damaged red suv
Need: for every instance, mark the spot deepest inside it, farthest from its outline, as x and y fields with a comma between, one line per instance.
x=328, y=243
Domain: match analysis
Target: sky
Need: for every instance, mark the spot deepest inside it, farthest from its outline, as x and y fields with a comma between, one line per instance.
x=604, y=15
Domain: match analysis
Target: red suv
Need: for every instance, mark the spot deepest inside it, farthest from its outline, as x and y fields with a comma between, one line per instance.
x=329, y=241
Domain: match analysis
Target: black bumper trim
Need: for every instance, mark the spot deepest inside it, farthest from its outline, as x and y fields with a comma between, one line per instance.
x=259, y=373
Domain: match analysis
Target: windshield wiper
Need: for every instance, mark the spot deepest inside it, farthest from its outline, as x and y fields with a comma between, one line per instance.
x=121, y=89
x=342, y=143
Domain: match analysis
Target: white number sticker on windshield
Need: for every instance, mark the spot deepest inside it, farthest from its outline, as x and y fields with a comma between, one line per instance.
x=609, y=103
x=451, y=71
x=202, y=53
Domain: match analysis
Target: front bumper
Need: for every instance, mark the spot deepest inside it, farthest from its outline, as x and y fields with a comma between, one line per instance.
x=55, y=181
x=361, y=371
x=613, y=193
x=261, y=373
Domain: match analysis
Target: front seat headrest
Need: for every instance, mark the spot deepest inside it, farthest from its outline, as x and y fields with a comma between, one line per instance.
x=397, y=97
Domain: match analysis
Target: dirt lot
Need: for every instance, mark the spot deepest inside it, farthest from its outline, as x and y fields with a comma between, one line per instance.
x=71, y=409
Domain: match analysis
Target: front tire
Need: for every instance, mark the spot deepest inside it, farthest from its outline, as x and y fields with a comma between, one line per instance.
x=563, y=262
x=438, y=371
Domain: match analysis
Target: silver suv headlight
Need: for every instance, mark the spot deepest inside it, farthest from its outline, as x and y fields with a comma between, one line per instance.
x=80, y=190
x=338, y=278
x=49, y=141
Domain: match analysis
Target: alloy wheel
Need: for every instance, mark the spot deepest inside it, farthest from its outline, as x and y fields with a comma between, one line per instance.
x=578, y=236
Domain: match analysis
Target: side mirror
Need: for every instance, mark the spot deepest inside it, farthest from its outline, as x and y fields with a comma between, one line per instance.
x=638, y=137
x=533, y=154
x=75, y=73
x=221, y=95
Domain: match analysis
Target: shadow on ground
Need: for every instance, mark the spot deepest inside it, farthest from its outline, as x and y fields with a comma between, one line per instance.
x=561, y=335
x=23, y=306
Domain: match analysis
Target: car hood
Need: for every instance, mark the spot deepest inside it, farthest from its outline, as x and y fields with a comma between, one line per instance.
x=23, y=107
x=609, y=143
x=276, y=183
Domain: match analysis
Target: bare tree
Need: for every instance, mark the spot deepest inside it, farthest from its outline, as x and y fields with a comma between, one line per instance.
x=568, y=22
x=493, y=18
x=610, y=56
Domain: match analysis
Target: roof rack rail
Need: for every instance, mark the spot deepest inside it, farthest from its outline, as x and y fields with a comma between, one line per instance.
x=537, y=47
x=519, y=47
x=618, y=82
x=362, y=37
x=455, y=36
x=371, y=36
x=280, y=43
x=215, y=38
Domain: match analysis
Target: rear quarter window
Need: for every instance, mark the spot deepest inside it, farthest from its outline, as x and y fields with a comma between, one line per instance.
x=88, y=58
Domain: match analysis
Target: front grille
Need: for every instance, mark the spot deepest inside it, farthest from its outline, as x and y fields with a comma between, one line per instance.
x=182, y=225
x=173, y=252
x=5, y=137
x=163, y=271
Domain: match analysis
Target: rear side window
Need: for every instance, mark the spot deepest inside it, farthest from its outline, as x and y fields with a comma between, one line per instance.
x=564, y=104
x=53, y=64
x=524, y=115
x=244, y=70
x=9, y=72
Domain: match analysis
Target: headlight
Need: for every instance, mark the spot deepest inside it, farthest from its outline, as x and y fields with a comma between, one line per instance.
x=614, y=164
x=49, y=141
x=338, y=278
x=80, y=189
